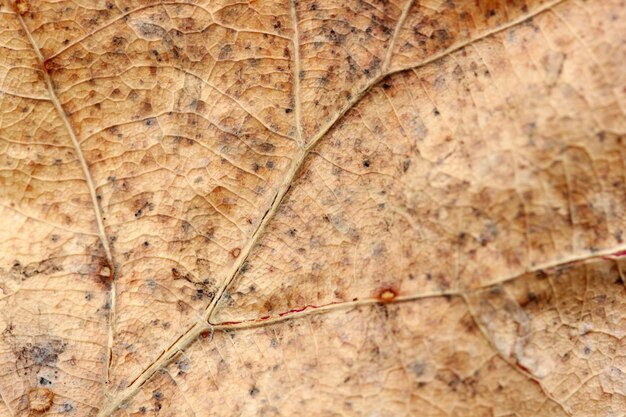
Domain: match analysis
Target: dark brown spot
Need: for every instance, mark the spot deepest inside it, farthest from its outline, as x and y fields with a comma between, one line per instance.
x=49, y=65
x=104, y=273
x=529, y=298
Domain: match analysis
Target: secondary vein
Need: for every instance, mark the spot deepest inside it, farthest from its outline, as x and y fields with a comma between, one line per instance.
x=187, y=337
x=88, y=178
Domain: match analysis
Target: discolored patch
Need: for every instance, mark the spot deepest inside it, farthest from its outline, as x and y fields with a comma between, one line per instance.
x=336, y=170
x=21, y=6
x=40, y=399
x=33, y=356
x=387, y=294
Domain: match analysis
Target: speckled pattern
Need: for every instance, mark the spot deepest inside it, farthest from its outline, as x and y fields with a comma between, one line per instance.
x=316, y=208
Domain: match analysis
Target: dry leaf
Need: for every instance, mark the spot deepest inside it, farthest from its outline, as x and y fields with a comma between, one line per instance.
x=321, y=208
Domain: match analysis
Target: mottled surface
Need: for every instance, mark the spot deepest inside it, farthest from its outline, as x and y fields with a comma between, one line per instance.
x=406, y=359
x=312, y=207
x=566, y=328
x=499, y=158
x=54, y=300
x=541, y=345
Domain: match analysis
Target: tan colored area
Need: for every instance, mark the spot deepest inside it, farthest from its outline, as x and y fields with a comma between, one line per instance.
x=548, y=344
x=320, y=208
x=405, y=359
x=4, y=410
x=455, y=175
x=567, y=328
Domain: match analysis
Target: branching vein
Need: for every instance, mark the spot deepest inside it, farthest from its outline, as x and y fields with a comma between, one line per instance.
x=88, y=178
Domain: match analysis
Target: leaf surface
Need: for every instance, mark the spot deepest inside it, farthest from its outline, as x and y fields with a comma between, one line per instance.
x=315, y=207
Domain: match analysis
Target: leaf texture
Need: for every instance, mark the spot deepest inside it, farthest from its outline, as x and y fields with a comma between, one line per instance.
x=312, y=208
x=551, y=353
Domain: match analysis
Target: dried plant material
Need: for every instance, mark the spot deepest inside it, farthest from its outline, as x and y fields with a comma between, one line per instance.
x=393, y=208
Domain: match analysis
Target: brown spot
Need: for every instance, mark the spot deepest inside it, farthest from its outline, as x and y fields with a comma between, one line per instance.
x=235, y=252
x=387, y=294
x=528, y=298
x=469, y=324
x=104, y=272
x=40, y=399
x=223, y=199
x=182, y=307
x=49, y=65
x=21, y=7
